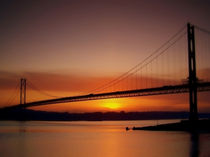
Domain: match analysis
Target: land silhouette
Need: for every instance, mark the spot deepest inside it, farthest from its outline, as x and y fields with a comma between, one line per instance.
x=28, y=114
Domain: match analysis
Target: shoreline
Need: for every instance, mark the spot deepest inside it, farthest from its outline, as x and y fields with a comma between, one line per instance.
x=184, y=125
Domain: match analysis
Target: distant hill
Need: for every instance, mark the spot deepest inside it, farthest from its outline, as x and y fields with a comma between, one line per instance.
x=26, y=114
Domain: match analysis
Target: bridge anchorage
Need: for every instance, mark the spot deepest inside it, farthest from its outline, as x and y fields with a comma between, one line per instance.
x=192, y=86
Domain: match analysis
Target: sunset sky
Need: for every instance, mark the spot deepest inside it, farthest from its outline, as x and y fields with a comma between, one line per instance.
x=69, y=47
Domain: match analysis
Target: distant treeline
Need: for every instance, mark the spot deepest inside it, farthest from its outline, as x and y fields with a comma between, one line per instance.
x=26, y=114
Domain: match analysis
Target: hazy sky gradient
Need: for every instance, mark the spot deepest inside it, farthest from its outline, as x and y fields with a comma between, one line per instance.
x=87, y=40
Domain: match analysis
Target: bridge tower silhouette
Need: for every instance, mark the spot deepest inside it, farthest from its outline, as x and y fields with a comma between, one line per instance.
x=22, y=91
x=192, y=73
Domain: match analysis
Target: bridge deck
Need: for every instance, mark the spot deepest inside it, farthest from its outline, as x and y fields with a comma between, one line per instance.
x=183, y=88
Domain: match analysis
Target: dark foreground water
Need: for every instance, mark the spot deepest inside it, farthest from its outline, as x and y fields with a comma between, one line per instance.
x=97, y=139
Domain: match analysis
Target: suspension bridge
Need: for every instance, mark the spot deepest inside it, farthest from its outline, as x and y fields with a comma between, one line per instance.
x=180, y=65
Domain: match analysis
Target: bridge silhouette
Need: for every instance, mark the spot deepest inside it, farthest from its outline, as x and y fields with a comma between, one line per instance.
x=190, y=83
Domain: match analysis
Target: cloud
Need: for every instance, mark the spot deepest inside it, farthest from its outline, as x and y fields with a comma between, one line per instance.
x=78, y=83
x=52, y=81
x=8, y=80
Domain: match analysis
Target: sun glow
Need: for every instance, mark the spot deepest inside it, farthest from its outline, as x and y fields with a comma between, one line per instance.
x=110, y=104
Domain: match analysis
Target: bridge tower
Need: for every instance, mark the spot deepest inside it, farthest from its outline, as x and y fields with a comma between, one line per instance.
x=22, y=91
x=192, y=74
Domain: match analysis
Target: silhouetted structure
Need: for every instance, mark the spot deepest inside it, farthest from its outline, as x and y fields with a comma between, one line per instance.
x=192, y=74
x=183, y=88
x=22, y=91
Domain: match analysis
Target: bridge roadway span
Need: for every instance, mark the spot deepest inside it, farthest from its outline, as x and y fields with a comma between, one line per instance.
x=183, y=88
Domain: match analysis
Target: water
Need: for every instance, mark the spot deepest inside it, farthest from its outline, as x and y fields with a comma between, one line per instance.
x=97, y=139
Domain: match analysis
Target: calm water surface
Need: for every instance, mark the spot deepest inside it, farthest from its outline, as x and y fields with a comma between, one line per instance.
x=97, y=139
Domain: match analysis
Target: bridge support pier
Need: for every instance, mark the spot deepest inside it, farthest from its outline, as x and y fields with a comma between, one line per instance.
x=192, y=74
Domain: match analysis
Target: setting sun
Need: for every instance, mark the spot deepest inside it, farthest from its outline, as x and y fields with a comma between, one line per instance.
x=111, y=104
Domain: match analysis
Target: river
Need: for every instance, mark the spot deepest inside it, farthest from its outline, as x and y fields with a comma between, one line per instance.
x=97, y=139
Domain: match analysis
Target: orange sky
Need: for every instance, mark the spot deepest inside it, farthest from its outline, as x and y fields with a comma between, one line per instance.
x=70, y=47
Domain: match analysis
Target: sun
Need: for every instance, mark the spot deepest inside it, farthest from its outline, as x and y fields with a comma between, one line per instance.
x=110, y=104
